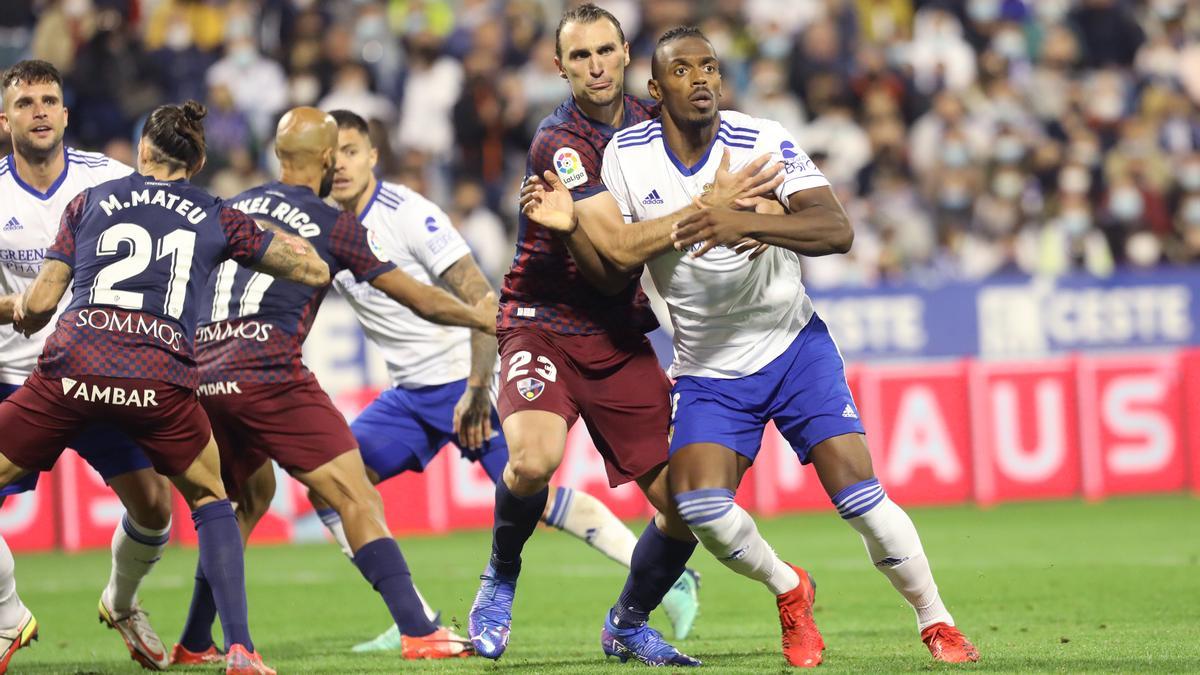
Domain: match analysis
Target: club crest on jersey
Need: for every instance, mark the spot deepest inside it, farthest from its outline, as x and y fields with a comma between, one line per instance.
x=530, y=388
x=569, y=167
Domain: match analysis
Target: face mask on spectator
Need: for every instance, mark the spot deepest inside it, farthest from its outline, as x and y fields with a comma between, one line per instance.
x=955, y=155
x=1086, y=154
x=983, y=11
x=1008, y=184
x=1189, y=177
x=1191, y=212
x=1125, y=203
x=1106, y=107
x=178, y=36
x=1075, y=221
x=775, y=47
x=1010, y=44
x=1051, y=11
x=1074, y=180
x=1008, y=150
x=1143, y=249
x=1167, y=10
x=304, y=89
x=373, y=27
x=242, y=55
x=954, y=197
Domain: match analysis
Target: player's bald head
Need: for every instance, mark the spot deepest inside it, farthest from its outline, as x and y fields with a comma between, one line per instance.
x=305, y=135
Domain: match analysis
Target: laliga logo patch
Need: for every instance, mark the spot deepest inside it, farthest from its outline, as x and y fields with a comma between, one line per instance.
x=569, y=167
x=431, y=224
x=376, y=247
x=530, y=388
x=794, y=162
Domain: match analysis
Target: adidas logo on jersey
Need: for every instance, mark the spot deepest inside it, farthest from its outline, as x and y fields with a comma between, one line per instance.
x=653, y=198
x=13, y=224
x=848, y=411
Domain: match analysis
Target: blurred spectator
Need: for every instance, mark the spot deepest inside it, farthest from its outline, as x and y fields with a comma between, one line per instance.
x=966, y=138
x=257, y=84
x=352, y=91
x=483, y=230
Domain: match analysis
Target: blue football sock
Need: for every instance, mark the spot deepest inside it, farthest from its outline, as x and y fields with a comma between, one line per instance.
x=515, y=520
x=224, y=567
x=382, y=563
x=658, y=560
x=197, y=632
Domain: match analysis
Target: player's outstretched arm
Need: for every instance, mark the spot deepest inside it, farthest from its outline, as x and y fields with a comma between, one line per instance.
x=473, y=412
x=815, y=225
x=37, y=306
x=292, y=257
x=436, y=305
x=627, y=246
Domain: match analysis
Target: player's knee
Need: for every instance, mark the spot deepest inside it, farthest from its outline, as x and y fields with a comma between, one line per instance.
x=147, y=499
x=532, y=468
x=701, y=508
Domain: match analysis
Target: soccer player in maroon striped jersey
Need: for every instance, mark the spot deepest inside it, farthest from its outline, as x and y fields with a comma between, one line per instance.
x=572, y=344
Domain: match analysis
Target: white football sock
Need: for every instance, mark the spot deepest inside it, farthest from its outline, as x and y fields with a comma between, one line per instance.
x=729, y=533
x=589, y=519
x=135, y=550
x=11, y=608
x=894, y=547
x=333, y=523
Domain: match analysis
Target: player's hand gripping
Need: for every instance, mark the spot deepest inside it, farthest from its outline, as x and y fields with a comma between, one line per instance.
x=473, y=417
x=548, y=203
x=740, y=190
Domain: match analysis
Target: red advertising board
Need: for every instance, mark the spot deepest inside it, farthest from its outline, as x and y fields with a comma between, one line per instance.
x=1025, y=426
x=918, y=427
x=1131, y=416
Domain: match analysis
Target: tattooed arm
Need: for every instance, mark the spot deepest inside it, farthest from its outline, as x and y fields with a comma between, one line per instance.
x=472, y=414
x=37, y=306
x=292, y=257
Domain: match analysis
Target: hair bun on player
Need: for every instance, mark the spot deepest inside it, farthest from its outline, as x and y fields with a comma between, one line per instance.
x=194, y=111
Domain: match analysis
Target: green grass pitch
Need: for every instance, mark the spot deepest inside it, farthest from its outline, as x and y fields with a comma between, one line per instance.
x=1064, y=587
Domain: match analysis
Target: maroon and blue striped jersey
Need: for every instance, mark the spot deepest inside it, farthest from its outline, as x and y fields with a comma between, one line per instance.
x=544, y=288
x=253, y=325
x=141, y=251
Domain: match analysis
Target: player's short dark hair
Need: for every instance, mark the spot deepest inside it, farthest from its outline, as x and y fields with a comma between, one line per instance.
x=676, y=33
x=177, y=135
x=351, y=120
x=586, y=13
x=31, y=71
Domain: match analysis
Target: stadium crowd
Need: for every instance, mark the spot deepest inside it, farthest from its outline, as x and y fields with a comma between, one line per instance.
x=967, y=138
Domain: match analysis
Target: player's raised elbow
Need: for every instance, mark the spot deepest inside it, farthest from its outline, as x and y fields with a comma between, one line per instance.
x=843, y=239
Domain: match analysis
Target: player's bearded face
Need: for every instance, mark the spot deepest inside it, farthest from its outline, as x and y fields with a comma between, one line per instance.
x=36, y=118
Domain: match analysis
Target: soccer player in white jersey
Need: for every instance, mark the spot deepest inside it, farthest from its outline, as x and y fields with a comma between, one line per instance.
x=748, y=346
x=443, y=376
x=37, y=182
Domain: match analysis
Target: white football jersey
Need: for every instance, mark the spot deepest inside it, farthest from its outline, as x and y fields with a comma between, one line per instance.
x=29, y=221
x=416, y=235
x=731, y=315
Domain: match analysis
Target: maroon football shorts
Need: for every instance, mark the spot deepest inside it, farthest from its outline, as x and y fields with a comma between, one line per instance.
x=616, y=386
x=44, y=415
x=293, y=423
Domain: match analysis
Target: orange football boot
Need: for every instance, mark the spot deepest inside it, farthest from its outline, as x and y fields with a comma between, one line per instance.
x=802, y=642
x=440, y=644
x=182, y=656
x=239, y=661
x=947, y=643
